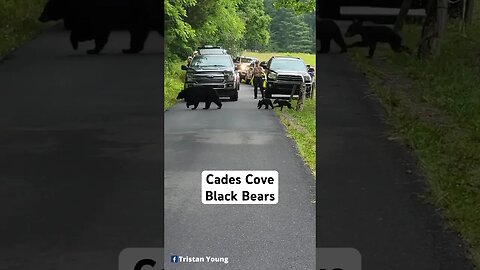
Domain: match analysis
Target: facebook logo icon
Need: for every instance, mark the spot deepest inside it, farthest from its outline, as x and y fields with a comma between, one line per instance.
x=174, y=259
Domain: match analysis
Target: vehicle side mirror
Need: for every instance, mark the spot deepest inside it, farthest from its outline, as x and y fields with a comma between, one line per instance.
x=184, y=67
x=263, y=65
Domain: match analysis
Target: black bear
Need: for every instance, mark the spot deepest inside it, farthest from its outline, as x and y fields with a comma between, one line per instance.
x=145, y=15
x=326, y=31
x=371, y=35
x=195, y=95
x=87, y=20
x=281, y=103
x=265, y=102
x=94, y=19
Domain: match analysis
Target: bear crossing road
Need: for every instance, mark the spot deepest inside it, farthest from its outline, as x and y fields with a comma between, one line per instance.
x=93, y=20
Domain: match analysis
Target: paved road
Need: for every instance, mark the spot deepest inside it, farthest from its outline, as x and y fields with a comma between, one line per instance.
x=81, y=162
x=238, y=137
x=366, y=197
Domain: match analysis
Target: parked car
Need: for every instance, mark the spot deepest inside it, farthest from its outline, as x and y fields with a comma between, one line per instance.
x=209, y=49
x=243, y=65
x=283, y=73
x=216, y=70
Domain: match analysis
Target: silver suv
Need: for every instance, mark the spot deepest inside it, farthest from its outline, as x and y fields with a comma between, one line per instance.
x=217, y=71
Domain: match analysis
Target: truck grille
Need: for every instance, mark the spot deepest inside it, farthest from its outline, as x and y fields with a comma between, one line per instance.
x=209, y=78
x=291, y=78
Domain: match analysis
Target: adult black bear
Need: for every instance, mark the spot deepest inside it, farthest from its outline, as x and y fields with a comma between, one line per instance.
x=281, y=103
x=145, y=15
x=94, y=19
x=195, y=95
x=326, y=31
x=371, y=35
x=265, y=102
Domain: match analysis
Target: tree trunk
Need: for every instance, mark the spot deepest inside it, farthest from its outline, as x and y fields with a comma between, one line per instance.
x=434, y=28
x=301, y=97
x=292, y=93
x=402, y=15
x=469, y=12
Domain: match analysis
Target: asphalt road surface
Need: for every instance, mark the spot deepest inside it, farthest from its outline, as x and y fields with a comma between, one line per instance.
x=81, y=161
x=370, y=195
x=237, y=137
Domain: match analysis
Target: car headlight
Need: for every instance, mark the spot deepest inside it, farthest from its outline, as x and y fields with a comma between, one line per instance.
x=307, y=78
x=272, y=76
x=190, y=77
x=230, y=76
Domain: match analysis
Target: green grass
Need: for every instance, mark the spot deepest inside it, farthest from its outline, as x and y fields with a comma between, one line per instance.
x=301, y=127
x=434, y=106
x=18, y=22
x=309, y=59
x=173, y=82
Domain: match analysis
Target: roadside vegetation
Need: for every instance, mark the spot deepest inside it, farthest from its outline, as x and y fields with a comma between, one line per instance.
x=18, y=22
x=433, y=106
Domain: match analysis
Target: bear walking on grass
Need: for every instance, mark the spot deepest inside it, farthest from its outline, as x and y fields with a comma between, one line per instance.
x=328, y=30
x=371, y=35
x=195, y=95
x=282, y=103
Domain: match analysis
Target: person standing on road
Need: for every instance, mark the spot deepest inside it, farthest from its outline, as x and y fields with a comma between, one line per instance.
x=189, y=61
x=258, y=74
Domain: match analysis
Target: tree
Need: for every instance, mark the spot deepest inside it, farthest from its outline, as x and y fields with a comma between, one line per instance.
x=178, y=33
x=289, y=31
x=469, y=8
x=298, y=6
x=402, y=15
x=434, y=28
x=257, y=23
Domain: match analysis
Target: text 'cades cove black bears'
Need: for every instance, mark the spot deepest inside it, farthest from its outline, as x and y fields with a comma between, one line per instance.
x=371, y=35
x=328, y=30
x=195, y=95
x=94, y=19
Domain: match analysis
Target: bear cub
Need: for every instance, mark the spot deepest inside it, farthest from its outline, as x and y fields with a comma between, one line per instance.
x=281, y=103
x=265, y=102
x=371, y=35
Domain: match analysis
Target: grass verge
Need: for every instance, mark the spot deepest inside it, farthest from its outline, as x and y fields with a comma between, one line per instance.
x=18, y=22
x=173, y=82
x=434, y=106
x=301, y=127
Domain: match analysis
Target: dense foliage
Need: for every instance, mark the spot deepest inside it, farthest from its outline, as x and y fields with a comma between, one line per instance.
x=239, y=25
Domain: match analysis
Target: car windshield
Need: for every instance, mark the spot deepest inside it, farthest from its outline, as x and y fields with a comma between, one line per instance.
x=212, y=61
x=288, y=64
x=246, y=60
x=212, y=51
